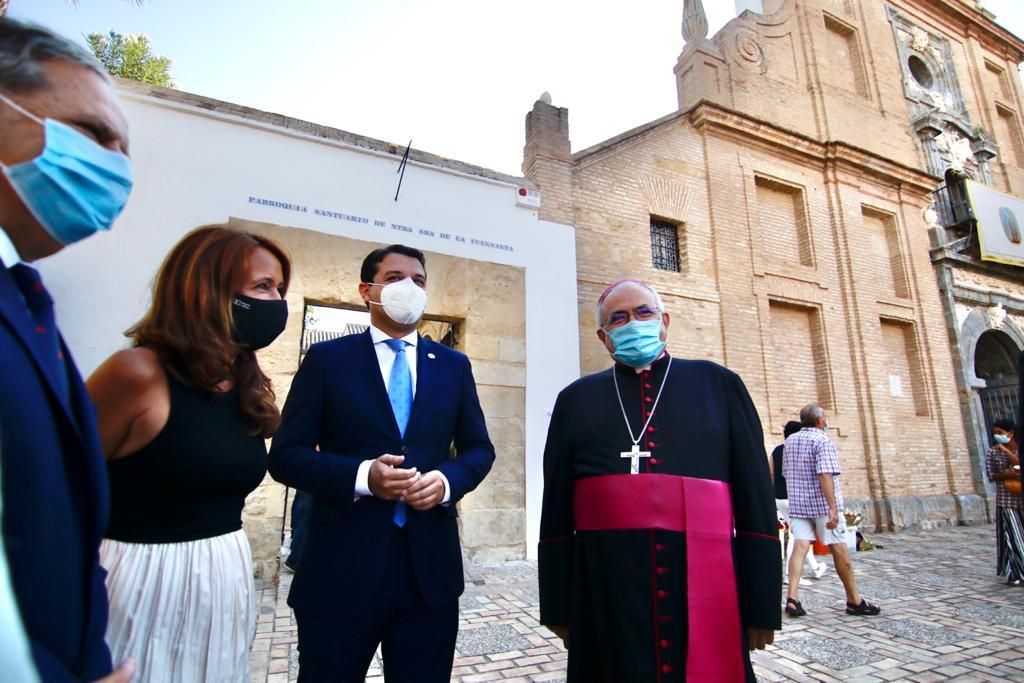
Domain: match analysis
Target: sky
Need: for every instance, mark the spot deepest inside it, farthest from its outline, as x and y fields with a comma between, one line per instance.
x=457, y=77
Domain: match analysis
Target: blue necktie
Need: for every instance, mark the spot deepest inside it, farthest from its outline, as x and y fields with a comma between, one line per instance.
x=400, y=394
x=40, y=307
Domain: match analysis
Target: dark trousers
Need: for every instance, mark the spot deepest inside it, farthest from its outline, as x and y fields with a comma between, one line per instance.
x=417, y=641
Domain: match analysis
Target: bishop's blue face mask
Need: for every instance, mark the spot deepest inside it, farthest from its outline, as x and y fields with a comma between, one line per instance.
x=75, y=187
x=637, y=343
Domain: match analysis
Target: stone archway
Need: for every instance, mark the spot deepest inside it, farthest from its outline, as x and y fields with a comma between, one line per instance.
x=1005, y=336
x=996, y=364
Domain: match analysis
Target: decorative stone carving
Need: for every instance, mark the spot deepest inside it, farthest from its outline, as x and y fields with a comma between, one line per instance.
x=996, y=316
x=956, y=146
x=919, y=39
x=749, y=50
x=695, y=21
x=931, y=216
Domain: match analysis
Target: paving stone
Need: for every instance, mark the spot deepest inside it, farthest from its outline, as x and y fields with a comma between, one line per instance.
x=918, y=631
x=490, y=640
x=835, y=654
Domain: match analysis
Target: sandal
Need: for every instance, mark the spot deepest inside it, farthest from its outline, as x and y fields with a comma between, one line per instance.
x=794, y=608
x=864, y=609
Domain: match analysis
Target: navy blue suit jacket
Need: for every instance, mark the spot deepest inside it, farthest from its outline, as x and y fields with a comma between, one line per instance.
x=338, y=401
x=55, y=501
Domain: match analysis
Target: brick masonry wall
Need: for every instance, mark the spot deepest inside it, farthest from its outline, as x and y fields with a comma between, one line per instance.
x=801, y=196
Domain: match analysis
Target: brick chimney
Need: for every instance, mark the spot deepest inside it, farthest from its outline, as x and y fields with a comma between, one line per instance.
x=547, y=159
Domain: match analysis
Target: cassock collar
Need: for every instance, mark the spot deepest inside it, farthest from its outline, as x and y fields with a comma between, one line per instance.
x=659, y=361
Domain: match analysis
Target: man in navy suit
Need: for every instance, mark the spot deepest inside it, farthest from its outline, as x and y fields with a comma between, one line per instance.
x=63, y=176
x=381, y=563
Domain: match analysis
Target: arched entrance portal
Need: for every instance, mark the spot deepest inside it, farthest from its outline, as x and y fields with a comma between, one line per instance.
x=996, y=362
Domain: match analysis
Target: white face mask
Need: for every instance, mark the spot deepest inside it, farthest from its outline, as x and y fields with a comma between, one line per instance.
x=403, y=301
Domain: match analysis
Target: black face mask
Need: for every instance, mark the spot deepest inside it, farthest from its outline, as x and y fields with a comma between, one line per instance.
x=258, y=322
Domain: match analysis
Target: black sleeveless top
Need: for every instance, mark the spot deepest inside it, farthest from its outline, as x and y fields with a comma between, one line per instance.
x=189, y=482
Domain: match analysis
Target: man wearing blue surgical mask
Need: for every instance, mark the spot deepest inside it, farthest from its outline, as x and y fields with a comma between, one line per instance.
x=64, y=175
x=656, y=483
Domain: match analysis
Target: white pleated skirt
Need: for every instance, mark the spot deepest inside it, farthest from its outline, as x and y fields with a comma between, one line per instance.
x=185, y=611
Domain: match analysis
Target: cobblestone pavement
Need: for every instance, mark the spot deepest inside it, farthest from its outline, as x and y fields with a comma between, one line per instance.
x=945, y=616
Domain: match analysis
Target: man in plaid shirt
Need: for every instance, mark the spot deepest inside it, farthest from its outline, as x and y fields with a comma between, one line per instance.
x=810, y=464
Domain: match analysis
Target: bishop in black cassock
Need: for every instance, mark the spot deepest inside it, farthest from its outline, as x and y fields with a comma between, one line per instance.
x=661, y=562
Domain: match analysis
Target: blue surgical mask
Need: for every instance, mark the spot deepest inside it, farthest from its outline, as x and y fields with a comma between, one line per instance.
x=637, y=343
x=1001, y=438
x=75, y=187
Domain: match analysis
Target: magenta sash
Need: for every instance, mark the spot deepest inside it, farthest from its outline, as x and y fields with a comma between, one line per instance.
x=702, y=509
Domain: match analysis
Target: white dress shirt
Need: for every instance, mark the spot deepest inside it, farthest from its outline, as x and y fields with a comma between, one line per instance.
x=386, y=360
x=8, y=252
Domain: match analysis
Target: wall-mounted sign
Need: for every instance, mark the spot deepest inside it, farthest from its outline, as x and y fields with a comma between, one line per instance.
x=1000, y=224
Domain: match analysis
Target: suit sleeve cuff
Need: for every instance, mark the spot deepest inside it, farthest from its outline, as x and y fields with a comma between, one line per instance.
x=447, y=489
x=362, y=487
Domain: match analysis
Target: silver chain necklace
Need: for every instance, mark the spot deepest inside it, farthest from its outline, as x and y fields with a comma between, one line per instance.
x=618, y=394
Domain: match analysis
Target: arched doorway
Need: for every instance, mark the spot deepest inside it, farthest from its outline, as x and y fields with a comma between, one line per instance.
x=996, y=362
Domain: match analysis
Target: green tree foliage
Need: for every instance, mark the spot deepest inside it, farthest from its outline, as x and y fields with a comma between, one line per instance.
x=129, y=56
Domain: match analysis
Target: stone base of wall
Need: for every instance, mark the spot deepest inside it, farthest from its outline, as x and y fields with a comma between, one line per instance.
x=921, y=512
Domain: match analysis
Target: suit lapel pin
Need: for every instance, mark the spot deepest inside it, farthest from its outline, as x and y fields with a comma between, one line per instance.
x=431, y=356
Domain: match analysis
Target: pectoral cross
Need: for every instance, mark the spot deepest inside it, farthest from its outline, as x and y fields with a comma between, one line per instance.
x=634, y=456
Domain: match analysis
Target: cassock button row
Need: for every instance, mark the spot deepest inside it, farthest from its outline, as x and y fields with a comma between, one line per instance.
x=666, y=643
x=661, y=571
x=660, y=546
x=654, y=461
x=662, y=595
x=667, y=668
x=647, y=386
x=651, y=444
x=651, y=430
x=648, y=399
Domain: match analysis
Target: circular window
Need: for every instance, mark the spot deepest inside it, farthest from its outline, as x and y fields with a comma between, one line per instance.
x=921, y=73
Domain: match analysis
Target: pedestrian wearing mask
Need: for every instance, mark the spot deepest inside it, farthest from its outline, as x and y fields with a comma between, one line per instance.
x=183, y=418
x=1002, y=465
x=64, y=176
x=367, y=431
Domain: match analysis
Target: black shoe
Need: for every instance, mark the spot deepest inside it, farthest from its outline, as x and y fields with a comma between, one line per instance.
x=794, y=608
x=864, y=609
x=1014, y=582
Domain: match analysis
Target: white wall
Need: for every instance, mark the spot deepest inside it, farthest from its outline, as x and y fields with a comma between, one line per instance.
x=193, y=166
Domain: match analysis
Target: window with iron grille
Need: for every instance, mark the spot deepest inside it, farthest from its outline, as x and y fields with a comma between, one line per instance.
x=665, y=251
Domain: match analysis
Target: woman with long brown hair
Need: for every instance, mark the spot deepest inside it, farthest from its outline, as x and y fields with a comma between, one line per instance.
x=183, y=415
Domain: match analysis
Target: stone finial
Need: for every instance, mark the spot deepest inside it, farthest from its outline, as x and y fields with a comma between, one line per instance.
x=695, y=21
x=545, y=97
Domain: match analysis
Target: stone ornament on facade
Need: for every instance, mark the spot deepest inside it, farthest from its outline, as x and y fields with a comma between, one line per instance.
x=749, y=50
x=996, y=316
x=919, y=39
x=957, y=147
x=695, y=21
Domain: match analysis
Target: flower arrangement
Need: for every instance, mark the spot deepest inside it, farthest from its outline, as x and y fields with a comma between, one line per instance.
x=853, y=519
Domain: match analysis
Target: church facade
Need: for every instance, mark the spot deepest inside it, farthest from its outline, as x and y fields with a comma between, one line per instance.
x=803, y=215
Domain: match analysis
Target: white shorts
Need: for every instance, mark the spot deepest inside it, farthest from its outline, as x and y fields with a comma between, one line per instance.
x=804, y=529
